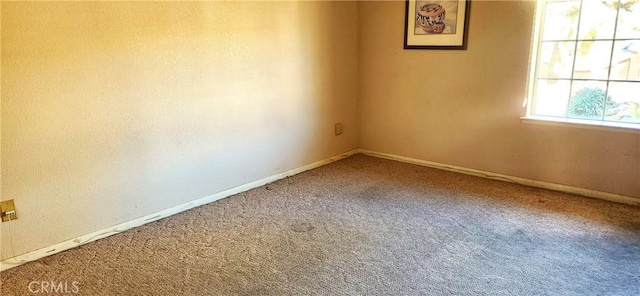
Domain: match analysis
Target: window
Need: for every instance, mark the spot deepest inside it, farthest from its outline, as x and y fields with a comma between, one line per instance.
x=586, y=62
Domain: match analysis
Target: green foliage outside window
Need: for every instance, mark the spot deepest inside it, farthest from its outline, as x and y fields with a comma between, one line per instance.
x=589, y=102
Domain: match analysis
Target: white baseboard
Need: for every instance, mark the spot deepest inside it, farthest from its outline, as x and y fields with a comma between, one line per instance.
x=87, y=238
x=523, y=181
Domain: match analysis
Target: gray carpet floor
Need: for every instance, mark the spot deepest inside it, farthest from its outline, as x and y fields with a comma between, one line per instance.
x=365, y=226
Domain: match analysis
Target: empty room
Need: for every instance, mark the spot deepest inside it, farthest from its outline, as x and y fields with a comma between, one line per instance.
x=445, y=147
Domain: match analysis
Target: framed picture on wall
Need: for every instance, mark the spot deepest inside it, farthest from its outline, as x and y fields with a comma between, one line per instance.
x=436, y=24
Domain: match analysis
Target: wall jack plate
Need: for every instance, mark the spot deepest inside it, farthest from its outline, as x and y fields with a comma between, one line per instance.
x=7, y=206
x=339, y=129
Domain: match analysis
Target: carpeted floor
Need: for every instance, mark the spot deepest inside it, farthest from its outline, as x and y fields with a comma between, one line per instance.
x=365, y=226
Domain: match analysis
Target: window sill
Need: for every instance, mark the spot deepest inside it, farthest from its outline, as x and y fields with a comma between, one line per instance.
x=584, y=124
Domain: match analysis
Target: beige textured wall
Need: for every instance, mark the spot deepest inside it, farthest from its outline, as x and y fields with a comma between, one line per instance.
x=463, y=107
x=112, y=111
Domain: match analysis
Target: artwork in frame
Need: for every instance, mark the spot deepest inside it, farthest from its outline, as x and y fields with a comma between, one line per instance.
x=436, y=24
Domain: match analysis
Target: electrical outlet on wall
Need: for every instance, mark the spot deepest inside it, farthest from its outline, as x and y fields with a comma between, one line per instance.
x=8, y=210
x=339, y=129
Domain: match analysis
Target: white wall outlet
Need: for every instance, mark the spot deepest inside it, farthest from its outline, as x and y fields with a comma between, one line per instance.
x=339, y=129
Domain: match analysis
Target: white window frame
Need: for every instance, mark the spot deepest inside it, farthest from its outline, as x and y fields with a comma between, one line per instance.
x=531, y=84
